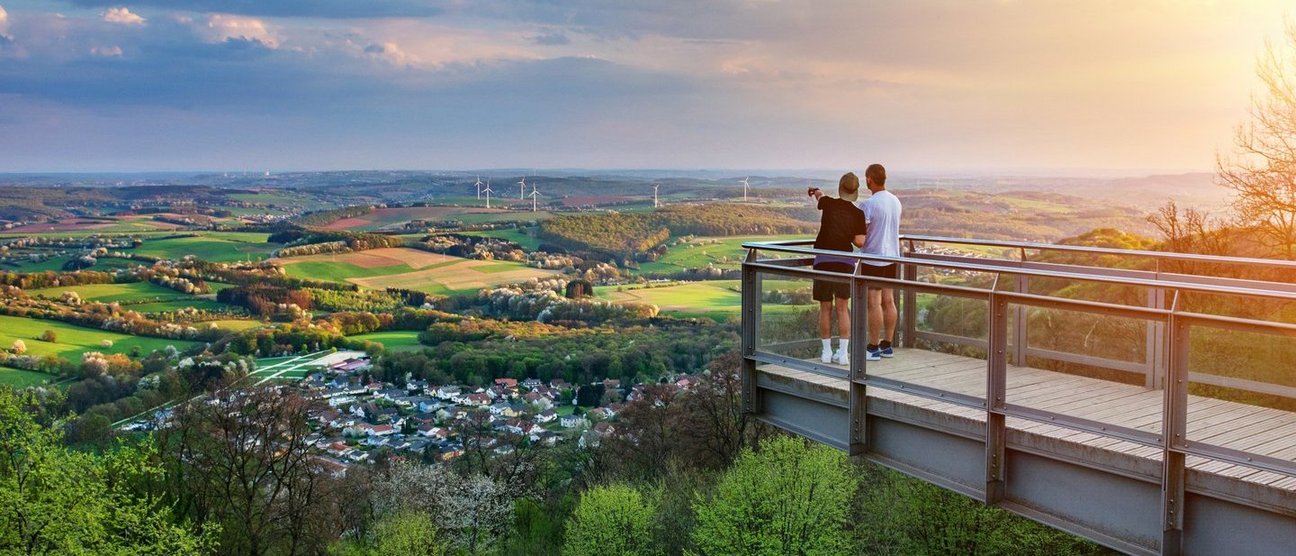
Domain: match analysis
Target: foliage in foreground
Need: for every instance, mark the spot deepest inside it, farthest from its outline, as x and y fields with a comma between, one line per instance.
x=613, y=519
x=788, y=498
x=896, y=514
x=54, y=500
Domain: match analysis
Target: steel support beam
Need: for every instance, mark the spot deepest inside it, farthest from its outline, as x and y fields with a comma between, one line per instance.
x=751, y=314
x=996, y=392
x=1175, y=423
x=858, y=362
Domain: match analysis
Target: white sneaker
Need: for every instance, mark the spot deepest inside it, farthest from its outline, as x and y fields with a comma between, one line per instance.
x=842, y=357
x=826, y=356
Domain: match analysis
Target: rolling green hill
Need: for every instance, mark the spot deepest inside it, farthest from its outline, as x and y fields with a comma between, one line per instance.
x=72, y=341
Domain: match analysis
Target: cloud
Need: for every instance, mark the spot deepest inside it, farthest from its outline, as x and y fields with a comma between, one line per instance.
x=218, y=28
x=293, y=8
x=551, y=39
x=666, y=83
x=123, y=16
x=4, y=27
x=391, y=52
x=106, y=51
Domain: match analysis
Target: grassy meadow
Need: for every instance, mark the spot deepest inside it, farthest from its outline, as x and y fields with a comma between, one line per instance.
x=522, y=236
x=395, y=340
x=71, y=341
x=716, y=299
x=19, y=378
x=143, y=297
x=721, y=252
x=122, y=293
x=221, y=247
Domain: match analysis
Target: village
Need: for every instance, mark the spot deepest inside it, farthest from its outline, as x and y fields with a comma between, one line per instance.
x=357, y=420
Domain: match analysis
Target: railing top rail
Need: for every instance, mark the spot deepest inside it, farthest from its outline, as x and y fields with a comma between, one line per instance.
x=1163, y=255
x=793, y=247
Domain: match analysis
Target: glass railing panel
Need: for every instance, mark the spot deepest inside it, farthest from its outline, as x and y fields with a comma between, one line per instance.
x=789, y=322
x=1092, y=367
x=949, y=350
x=1242, y=391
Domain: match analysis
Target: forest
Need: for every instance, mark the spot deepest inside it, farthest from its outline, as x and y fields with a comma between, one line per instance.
x=684, y=472
x=637, y=235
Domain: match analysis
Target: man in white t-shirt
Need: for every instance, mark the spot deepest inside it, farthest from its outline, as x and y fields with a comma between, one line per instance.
x=882, y=218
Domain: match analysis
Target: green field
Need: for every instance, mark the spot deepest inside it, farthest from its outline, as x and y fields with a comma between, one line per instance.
x=712, y=299
x=72, y=340
x=396, y=340
x=54, y=264
x=236, y=325
x=143, y=297
x=176, y=305
x=520, y=236
x=121, y=293
x=341, y=271
x=105, y=264
x=211, y=246
x=19, y=378
x=722, y=252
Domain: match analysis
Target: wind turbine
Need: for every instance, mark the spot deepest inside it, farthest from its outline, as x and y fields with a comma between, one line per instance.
x=534, y=195
x=745, y=185
x=487, y=191
x=479, y=186
x=522, y=188
x=655, y=186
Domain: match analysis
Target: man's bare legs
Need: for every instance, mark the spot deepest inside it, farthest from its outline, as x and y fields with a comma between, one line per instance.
x=882, y=316
x=843, y=329
x=825, y=320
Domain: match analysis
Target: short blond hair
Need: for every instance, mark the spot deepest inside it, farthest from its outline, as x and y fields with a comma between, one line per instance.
x=849, y=183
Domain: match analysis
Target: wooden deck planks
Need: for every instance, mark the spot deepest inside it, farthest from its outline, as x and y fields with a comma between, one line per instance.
x=1211, y=421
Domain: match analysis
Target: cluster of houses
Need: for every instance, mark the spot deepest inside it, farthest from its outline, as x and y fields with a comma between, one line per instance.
x=358, y=419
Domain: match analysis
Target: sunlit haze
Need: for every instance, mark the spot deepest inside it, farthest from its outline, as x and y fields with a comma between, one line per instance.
x=937, y=85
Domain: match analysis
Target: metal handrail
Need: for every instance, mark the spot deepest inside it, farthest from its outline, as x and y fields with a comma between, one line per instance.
x=1162, y=255
x=791, y=247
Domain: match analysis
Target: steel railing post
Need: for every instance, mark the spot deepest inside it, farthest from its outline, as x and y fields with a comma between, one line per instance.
x=996, y=392
x=1155, y=345
x=1174, y=425
x=1020, y=337
x=858, y=365
x=909, y=336
x=751, y=314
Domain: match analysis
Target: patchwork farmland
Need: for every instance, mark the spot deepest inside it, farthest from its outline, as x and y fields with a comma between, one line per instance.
x=410, y=269
x=397, y=217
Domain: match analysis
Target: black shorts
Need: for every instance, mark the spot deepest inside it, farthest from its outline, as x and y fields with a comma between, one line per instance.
x=825, y=290
x=888, y=271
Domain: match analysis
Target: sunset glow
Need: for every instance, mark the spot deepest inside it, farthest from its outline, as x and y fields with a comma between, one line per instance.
x=937, y=85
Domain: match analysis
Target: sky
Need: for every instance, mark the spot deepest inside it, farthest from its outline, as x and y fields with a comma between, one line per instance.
x=930, y=85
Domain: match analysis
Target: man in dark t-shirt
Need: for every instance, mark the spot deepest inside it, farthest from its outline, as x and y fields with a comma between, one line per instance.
x=841, y=228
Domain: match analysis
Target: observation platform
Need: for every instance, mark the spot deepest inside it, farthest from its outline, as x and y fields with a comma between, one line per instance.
x=1071, y=438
